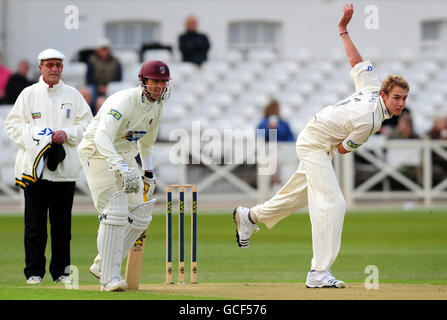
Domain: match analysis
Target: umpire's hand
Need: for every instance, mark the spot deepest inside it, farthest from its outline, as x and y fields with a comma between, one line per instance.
x=59, y=137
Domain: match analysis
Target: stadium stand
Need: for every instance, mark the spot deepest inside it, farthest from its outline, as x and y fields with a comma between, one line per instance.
x=230, y=90
x=243, y=83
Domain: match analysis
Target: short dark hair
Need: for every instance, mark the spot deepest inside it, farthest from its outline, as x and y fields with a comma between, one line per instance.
x=272, y=108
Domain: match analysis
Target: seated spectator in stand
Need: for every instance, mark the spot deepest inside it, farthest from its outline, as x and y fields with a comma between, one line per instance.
x=438, y=132
x=439, y=129
x=17, y=82
x=102, y=69
x=99, y=103
x=272, y=120
x=404, y=128
x=5, y=73
x=389, y=125
x=193, y=45
x=87, y=94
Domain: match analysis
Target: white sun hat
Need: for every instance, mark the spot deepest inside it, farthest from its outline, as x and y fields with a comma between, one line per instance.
x=50, y=54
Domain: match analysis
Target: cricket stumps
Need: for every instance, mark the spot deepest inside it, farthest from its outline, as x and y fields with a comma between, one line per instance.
x=181, y=232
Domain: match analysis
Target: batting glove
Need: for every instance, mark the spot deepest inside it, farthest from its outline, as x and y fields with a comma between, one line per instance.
x=130, y=178
x=149, y=180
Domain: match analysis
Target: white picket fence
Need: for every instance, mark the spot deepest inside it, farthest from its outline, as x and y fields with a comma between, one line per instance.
x=234, y=182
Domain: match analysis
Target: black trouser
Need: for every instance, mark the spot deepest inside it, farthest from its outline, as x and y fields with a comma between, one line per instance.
x=56, y=199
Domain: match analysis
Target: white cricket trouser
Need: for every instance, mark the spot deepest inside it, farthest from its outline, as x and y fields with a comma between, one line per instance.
x=102, y=182
x=313, y=184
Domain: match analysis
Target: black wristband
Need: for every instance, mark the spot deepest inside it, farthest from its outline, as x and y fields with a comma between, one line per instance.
x=149, y=174
x=344, y=32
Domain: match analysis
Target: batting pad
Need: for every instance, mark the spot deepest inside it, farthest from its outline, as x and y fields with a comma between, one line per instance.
x=138, y=221
x=110, y=236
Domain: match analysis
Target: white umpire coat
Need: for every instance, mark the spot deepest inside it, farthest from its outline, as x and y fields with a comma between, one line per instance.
x=37, y=112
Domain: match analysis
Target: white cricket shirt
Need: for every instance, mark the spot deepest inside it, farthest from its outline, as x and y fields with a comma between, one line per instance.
x=126, y=122
x=354, y=119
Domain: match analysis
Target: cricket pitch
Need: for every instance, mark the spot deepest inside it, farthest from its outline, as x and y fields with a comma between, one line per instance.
x=297, y=291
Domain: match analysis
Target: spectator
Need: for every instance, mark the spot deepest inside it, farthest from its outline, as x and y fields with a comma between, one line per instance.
x=272, y=120
x=86, y=92
x=99, y=103
x=17, y=82
x=193, y=45
x=404, y=128
x=102, y=69
x=389, y=125
x=439, y=129
x=438, y=132
x=5, y=73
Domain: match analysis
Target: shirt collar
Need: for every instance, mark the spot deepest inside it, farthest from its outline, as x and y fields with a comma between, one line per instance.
x=383, y=110
x=54, y=89
x=144, y=102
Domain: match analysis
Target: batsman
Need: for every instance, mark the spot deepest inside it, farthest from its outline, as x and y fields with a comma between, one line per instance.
x=126, y=125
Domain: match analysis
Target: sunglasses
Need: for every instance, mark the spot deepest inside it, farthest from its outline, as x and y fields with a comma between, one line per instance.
x=50, y=65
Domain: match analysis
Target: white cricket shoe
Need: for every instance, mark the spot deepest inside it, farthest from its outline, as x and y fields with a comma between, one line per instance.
x=322, y=279
x=95, y=268
x=34, y=280
x=116, y=285
x=244, y=226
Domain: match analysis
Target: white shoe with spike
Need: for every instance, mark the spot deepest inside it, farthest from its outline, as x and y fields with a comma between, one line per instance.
x=244, y=226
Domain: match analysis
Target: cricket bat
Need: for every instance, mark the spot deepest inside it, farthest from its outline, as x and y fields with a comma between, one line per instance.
x=135, y=256
x=135, y=263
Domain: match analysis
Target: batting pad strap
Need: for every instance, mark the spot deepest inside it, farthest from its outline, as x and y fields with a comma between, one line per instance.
x=116, y=210
x=137, y=223
x=141, y=216
x=112, y=220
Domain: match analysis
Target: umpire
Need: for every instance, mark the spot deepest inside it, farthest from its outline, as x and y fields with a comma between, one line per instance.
x=47, y=123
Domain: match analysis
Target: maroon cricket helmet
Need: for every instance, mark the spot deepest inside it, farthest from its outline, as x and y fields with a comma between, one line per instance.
x=154, y=69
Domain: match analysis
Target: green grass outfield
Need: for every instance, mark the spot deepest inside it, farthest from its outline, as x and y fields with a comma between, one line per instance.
x=408, y=247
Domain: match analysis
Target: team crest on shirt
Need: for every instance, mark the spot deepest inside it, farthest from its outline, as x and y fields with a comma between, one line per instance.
x=353, y=145
x=45, y=132
x=374, y=96
x=134, y=135
x=150, y=122
x=69, y=106
x=114, y=113
x=36, y=115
